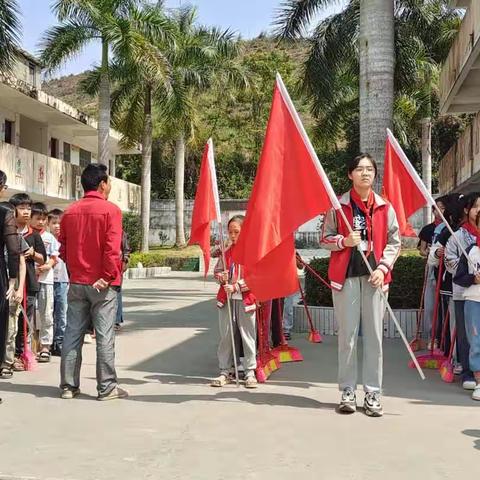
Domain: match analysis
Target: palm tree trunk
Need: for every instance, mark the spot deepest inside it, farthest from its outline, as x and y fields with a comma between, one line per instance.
x=146, y=168
x=179, y=190
x=377, y=62
x=104, y=109
x=426, y=124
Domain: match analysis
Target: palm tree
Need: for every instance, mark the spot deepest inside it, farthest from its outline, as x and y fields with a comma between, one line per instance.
x=201, y=59
x=137, y=80
x=376, y=54
x=424, y=30
x=110, y=22
x=9, y=33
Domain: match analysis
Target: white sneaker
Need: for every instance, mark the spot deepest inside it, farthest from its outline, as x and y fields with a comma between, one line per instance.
x=476, y=393
x=88, y=338
x=469, y=385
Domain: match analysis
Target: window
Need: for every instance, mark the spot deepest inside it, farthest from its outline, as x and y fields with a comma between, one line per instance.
x=85, y=158
x=54, y=147
x=67, y=152
x=9, y=132
x=31, y=73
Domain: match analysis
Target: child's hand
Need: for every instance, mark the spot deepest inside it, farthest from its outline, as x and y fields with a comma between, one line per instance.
x=229, y=288
x=29, y=253
x=44, y=268
x=224, y=277
x=18, y=296
x=477, y=278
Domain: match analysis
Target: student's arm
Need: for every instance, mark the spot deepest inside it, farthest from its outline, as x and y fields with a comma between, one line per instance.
x=219, y=273
x=423, y=248
x=331, y=239
x=22, y=272
x=452, y=255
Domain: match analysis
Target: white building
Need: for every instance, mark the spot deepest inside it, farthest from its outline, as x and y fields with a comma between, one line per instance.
x=45, y=143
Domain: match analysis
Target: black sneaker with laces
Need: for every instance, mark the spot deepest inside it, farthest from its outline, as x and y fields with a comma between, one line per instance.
x=348, y=403
x=373, y=405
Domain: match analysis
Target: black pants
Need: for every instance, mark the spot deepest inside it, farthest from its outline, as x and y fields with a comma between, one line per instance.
x=31, y=300
x=463, y=347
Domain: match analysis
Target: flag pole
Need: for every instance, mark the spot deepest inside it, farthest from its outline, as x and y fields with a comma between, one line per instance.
x=213, y=172
x=337, y=207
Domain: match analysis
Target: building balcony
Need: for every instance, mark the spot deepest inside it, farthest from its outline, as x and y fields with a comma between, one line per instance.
x=459, y=170
x=460, y=75
x=54, y=181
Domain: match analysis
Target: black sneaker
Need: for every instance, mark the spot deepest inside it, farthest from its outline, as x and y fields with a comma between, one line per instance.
x=348, y=403
x=373, y=405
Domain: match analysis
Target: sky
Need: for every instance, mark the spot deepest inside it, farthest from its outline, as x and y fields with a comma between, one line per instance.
x=246, y=17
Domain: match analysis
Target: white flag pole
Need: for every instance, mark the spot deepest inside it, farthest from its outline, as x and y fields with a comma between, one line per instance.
x=213, y=174
x=336, y=205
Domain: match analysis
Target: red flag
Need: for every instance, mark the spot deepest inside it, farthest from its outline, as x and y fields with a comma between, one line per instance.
x=290, y=188
x=206, y=207
x=402, y=186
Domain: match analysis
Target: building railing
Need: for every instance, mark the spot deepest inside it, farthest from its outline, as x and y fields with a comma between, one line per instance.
x=462, y=47
x=56, y=179
x=462, y=160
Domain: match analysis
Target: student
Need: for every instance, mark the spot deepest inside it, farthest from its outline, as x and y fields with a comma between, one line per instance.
x=357, y=294
x=243, y=306
x=35, y=255
x=38, y=223
x=60, y=287
x=468, y=276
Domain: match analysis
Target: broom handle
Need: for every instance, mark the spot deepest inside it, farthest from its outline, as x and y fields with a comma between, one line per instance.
x=446, y=323
x=305, y=306
x=435, y=308
x=452, y=346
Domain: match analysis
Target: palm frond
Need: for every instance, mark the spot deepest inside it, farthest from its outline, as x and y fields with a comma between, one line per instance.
x=9, y=33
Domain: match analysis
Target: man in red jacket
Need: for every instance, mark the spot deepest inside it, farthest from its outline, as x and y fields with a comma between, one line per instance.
x=356, y=294
x=90, y=237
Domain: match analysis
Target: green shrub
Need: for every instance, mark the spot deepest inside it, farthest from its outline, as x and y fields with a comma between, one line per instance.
x=161, y=259
x=132, y=224
x=405, y=290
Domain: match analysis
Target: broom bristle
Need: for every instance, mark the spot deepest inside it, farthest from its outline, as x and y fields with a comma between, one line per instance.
x=29, y=360
x=429, y=361
x=315, y=337
x=446, y=372
x=285, y=354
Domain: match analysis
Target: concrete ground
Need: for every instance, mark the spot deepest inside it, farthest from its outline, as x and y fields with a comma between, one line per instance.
x=174, y=426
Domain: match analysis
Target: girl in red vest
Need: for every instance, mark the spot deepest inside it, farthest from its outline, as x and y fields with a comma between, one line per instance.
x=243, y=306
x=356, y=293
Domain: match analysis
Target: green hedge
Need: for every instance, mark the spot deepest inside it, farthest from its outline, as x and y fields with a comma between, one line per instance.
x=160, y=259
x=405, y=291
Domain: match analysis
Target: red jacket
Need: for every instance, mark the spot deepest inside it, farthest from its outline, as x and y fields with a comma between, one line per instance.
x=386, y=240
x=249, y=301
x=91, y=238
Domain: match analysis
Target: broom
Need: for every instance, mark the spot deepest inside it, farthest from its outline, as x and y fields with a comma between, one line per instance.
x=446, y=370
x=266, y=362
x=27, y=356
x=284, y=353
x=418, y=343
x=435, y=357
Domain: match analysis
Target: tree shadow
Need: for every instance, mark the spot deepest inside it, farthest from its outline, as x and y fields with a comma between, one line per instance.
x=474, y=434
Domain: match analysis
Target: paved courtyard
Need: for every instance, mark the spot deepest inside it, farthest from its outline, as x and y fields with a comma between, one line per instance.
x=174, y=426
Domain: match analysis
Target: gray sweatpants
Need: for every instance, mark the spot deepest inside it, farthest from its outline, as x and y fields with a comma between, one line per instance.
x=86, y=305
x=245, y=322
x=359, y=301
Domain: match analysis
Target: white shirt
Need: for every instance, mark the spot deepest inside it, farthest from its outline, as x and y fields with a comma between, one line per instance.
x=52, y=248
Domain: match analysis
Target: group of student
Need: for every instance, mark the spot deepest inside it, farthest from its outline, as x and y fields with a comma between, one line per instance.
x=452, y=284
x=37, y=300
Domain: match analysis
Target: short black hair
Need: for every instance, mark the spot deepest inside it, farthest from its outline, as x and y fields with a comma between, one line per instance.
x=39, y=208
x=93, y=175
x=236, y=218
x=55, y=213
x=3, y=178
x=20, y=199
x=8, y=206
x=353, y=163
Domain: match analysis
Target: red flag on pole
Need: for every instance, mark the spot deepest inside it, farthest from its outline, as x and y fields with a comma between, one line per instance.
x=206, y=207
x=402, y=186
x=290, y=188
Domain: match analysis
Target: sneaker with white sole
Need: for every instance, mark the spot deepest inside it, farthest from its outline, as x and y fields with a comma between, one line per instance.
x=476, y=393
x=348, y=402
x=117, y=392
x=373, y=405
x=469, y=384
x=69, y=393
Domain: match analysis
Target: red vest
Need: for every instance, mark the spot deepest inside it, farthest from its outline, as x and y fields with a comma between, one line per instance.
x=338, y=265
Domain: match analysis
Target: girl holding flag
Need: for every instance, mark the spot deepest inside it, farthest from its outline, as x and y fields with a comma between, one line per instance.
x=243, y=306
x=356, y=295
